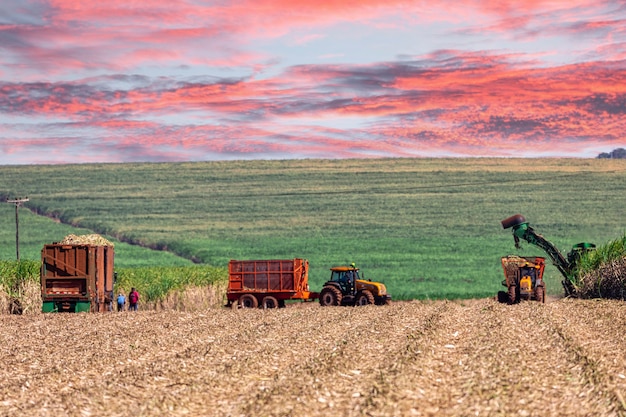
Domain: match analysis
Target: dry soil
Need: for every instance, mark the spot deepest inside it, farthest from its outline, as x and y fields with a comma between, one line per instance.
x=470, y=358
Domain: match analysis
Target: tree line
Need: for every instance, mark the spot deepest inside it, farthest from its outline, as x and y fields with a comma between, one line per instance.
x=619, y=153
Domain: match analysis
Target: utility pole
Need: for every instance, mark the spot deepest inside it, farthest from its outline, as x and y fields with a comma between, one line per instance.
x=18, y=202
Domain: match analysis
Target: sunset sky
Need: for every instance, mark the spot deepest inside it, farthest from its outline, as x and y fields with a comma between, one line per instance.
x=194, y=80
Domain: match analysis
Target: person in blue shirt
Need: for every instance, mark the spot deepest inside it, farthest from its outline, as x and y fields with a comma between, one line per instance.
x=121, y=301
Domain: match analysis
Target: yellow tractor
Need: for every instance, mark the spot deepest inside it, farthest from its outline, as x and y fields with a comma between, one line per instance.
x=346, y=287
x=523, y=279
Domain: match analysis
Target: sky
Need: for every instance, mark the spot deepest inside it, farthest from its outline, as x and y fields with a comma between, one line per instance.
x=85, y=81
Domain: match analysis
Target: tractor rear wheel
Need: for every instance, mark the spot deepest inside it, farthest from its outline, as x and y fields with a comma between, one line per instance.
x=269, y=302
x=540, y=294
x=248, y=301
x=364, y=298
x=330, y=296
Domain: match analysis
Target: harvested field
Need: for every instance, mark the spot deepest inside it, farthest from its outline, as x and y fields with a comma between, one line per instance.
x=479, y=357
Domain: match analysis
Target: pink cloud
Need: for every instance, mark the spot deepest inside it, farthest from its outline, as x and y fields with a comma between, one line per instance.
x=121, y=35
x=110, y=71
x=479, y=103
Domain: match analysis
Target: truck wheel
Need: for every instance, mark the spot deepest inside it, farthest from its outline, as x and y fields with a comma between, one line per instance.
x=513, y=298
x=330, y=296
x=540, y=294
x=364, y=298
x=248, y=301
x=269, y=302
x=513, y=221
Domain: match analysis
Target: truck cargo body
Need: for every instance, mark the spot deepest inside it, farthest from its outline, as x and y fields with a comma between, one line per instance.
x=268, y=283
x=77, y=278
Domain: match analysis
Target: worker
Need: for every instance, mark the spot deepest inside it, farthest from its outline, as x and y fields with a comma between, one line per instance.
x=133, y=299
x=121, y=301
x=350, y=277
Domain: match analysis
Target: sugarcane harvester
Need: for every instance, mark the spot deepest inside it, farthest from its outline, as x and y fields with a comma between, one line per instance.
x=567, y=266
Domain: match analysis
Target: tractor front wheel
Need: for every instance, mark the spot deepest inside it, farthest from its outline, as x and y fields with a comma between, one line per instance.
x=364, y=298
x=330, y=296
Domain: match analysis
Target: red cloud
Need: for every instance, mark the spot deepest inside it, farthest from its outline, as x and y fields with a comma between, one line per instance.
x=120, y=35
x=452, y=101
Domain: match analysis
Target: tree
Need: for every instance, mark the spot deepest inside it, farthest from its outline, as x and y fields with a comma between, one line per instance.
x=619, y=153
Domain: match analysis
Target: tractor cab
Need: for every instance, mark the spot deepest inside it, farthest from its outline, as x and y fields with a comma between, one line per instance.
x=528, y=278
x=346, y=277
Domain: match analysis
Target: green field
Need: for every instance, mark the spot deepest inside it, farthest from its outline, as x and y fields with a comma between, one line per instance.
x=428, y=228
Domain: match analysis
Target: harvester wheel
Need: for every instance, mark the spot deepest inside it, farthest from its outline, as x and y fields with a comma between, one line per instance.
x=513, y=294
x=540, y=294
x=248, y=301
x=364, y=298
x=269, y=302
x=330, y=296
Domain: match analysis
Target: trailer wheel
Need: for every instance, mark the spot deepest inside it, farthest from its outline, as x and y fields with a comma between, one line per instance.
x=513, y=295
x=248, y=301
x=269, y=302
x=364, y=298
x=540, y=294
x=330, y=296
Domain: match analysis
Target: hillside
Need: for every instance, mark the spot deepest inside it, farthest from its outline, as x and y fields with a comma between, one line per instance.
x=428, y=228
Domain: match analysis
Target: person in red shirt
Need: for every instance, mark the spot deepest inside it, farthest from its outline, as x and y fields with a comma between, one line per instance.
x=133, y=299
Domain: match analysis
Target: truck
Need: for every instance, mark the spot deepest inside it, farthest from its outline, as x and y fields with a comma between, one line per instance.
x=523, y=278
x=567, y=266
x=346, y=287
x=77, y=278
x=268, y=283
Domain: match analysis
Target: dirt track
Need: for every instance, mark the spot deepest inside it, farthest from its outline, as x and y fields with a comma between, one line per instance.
x=564, y=357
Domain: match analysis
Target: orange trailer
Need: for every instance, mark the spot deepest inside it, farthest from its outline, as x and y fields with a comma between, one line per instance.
x=268, y=283
x=77, y=278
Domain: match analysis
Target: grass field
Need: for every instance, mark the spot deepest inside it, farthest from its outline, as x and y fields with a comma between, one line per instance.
x=428, y=228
